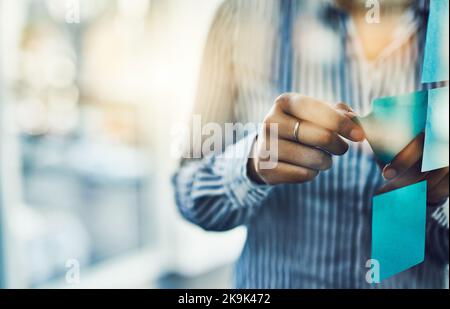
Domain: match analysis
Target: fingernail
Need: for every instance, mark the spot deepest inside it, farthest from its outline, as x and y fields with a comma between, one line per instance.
x=356, y=134
x=389, y=173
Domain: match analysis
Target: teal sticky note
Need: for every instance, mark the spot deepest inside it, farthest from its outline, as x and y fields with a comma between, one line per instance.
x=435, y=66
x=436, y=147
x=398, y=229
x=394, y=123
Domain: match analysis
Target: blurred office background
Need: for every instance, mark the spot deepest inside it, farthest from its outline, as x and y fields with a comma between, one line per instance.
x=87, y=103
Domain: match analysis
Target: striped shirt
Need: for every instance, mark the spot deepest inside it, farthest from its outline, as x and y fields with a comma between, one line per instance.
x=317, y=234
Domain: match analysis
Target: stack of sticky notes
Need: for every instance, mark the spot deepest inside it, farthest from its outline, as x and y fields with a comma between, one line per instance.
x=399, y=217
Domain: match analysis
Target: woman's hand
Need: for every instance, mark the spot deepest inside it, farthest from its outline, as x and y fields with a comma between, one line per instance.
x=406, y=169
x=309, y=133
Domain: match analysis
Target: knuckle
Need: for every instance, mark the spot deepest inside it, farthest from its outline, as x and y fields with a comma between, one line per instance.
x=326, y=162
x=268, y=120
x=282, y=99
x=321, y=161
x=342, y=105
x=309, y=175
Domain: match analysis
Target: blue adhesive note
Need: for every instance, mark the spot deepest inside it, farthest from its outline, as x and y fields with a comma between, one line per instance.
x=435, y=66
x=398, y=229
x=436, y=148
x=394, y=123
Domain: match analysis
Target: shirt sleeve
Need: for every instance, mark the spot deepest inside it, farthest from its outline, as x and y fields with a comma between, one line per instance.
x=214, y=191
x=438, y=233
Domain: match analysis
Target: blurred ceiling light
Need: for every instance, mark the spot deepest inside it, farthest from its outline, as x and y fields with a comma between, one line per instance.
x=31, y=70
x=133, y=9
x=67, y=97
x=62, y=119
x=60, y=72
x=31, y=117
x=48, y=61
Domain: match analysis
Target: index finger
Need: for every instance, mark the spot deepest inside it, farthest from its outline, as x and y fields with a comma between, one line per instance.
x=322, y=114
